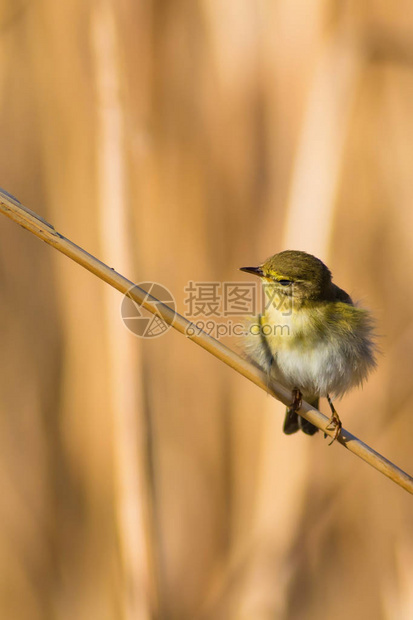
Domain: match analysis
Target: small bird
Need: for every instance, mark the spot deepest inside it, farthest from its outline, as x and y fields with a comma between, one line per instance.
x=311, y=337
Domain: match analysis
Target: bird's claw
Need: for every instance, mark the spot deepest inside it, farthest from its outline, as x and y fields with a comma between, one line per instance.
x=297, y=402
x=334, y=424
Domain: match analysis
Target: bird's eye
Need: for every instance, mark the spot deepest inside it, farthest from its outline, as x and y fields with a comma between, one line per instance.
x=284, y=282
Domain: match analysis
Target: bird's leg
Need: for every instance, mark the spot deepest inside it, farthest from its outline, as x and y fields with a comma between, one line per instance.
x=292, y=418
x=297, y=401
x=334, y=422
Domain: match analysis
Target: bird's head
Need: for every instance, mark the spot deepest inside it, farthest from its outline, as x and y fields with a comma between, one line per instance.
x=294, y=274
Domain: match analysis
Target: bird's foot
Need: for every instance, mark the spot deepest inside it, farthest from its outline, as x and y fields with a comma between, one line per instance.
x=334, y=422
x=336, y=425
x=297, y=401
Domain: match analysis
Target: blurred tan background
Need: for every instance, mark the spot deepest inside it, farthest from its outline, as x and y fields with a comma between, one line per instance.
x=180, y=141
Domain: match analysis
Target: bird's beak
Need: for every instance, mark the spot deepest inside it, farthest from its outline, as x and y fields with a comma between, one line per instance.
x=256, y=271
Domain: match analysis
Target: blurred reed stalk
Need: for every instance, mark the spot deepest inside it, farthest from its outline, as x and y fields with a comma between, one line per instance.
x=134, y=508
x=320, y=154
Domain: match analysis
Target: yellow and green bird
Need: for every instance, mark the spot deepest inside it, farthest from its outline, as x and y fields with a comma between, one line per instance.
x=311, y=337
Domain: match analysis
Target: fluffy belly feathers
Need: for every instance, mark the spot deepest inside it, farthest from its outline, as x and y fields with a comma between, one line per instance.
x=317, y=354
x=318, y=371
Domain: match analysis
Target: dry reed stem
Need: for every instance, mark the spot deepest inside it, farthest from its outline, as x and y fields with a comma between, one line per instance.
x=132, y=439
x=13, y=209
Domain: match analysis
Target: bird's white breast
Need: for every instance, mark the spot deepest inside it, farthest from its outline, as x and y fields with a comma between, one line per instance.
x=316, y=366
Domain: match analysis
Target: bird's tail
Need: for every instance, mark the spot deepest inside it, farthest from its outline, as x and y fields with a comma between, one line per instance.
x=294, y=422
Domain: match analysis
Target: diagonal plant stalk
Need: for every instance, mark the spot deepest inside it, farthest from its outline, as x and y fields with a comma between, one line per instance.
x=35, y=224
